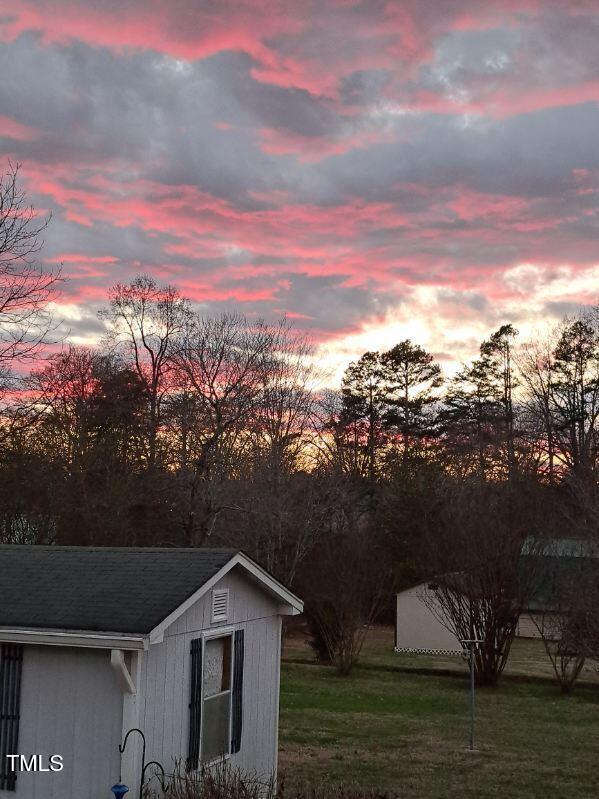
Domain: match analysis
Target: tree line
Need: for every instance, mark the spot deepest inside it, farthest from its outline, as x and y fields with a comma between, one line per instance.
x=186, y=429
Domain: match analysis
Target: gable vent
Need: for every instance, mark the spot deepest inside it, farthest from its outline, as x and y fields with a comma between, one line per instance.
x=220, y=605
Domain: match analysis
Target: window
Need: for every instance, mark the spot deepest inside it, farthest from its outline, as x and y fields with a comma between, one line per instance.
x=216, y=715
x=11, y=660
x=220, y=605
x=216, y=705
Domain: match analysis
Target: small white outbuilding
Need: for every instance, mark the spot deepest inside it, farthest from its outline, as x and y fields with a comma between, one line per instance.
x=183, y=644
x=420, y=623
x=422, y=626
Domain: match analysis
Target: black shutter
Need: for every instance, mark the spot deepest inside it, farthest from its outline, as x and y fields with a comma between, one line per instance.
x=195, y=705
x=237, y=697
x=11, y=659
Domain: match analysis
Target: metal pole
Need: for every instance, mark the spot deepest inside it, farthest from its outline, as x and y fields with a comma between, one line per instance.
x=468, y=651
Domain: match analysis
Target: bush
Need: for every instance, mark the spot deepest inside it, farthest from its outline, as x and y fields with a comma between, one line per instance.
x=346, y=582
x=224, y=782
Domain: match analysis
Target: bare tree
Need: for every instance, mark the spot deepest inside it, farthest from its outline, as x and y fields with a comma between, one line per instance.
x=342, y=442
x=482, y=581
x=146, y=323
x=282, y=504
x=181, y=426
x=285, y=414
x=63, y=391
x=560, y=376
x=222, y=363
x=347, y=581
x=89, y=429
x=559, y=630
x=536, y=367
x=25, y=287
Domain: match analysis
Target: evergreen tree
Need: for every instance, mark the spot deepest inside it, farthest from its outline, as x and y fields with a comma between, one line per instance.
x=364, y=395
x=575, y=395
x=478, y=413
x=410, y=378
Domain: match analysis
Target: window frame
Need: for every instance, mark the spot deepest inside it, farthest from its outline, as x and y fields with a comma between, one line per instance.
x=207, y=635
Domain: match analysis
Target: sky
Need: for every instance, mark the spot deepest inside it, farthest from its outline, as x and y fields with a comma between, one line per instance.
x=423, y=169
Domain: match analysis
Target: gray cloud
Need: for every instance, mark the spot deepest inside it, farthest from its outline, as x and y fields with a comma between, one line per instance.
x=384, y=134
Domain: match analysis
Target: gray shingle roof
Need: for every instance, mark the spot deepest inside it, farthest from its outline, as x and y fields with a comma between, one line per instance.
x=110, y=589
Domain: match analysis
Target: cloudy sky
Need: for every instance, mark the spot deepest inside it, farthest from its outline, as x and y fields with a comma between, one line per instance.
x=374, y=170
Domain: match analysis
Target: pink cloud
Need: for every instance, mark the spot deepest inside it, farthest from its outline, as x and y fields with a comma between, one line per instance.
x=81, y=258
x=315, y=148
x=12, y=129
x=398, y=34
x=255, y=248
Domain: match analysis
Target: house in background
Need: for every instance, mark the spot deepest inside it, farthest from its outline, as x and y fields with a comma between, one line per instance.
x=184, y=644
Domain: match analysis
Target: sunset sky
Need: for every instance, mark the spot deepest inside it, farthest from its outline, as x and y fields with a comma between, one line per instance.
x=374, y=170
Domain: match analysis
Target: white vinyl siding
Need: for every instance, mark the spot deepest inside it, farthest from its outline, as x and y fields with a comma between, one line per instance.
x=420, y=628
x=165, y=679
x=70, y=706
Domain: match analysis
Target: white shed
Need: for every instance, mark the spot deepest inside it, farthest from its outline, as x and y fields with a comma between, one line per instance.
x=422, y=627
x=183, y=644
x=420, y=624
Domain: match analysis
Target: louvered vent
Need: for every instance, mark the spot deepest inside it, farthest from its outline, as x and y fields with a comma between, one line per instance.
x=220, y=605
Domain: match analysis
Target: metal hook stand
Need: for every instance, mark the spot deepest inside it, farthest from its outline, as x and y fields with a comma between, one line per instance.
x=144, y=765
x=469, y=646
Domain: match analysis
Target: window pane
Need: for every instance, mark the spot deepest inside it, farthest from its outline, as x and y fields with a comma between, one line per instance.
x=217, y=665
x=215, y=726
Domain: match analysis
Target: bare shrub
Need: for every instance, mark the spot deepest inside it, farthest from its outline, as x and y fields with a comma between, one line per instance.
x=483, y=582
x=217, y=782
x=563, y=652
x=224, y=782
x=566, y=623
x=346, y=581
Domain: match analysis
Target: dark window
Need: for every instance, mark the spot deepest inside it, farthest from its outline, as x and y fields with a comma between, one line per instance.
x=11, y=660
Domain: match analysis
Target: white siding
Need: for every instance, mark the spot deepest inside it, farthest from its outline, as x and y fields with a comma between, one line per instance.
x=420, y=628
x=165, y=678
x=526, y=626
x=70, y=706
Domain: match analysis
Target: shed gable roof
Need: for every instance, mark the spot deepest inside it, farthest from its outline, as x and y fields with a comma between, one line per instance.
x=122, y=589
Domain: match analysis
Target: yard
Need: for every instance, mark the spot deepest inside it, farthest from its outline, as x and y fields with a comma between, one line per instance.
x=400, y=724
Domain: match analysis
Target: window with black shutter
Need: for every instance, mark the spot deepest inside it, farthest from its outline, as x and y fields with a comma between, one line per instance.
x=11, y=660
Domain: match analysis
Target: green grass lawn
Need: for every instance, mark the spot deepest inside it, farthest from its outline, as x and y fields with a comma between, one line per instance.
x=389, y=726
